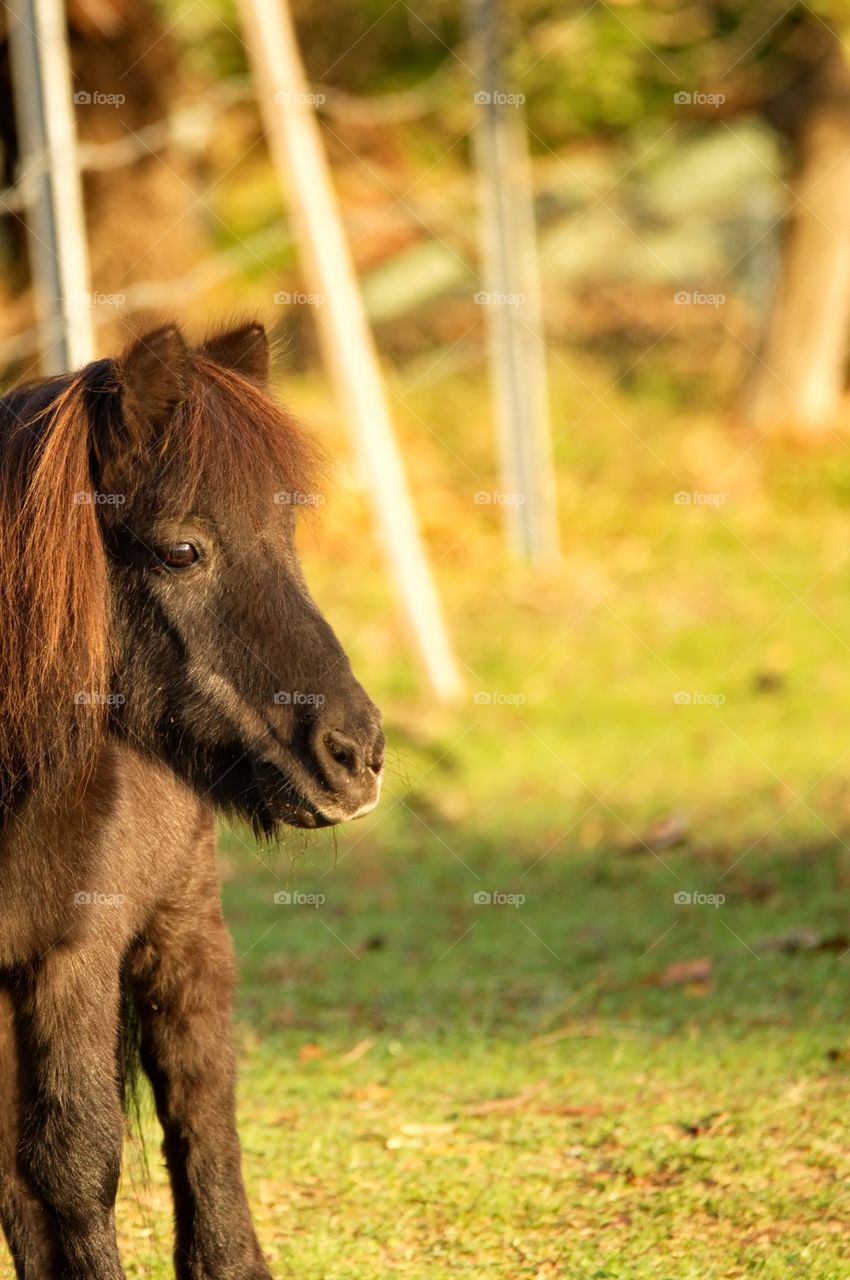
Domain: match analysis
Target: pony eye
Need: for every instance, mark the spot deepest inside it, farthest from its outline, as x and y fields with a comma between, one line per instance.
x=179, y=555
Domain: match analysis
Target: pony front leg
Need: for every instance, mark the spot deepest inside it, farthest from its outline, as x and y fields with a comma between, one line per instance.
x=23, y=1216
x=182, y=977
x=72, y=1125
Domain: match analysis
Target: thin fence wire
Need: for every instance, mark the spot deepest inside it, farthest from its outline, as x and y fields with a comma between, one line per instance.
x=189, y=129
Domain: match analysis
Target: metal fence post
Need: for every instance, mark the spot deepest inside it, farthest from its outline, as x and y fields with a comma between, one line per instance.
x=44, y=109
x=511, y=296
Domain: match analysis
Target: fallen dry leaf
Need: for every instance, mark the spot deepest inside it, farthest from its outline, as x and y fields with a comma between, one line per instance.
x=591, y=1030
x=804, y=940
x=419, y=1130
x=309, y=1052
x=412, y=1135
x=667, y=832
x=371, y=1092
x=706, y=1124
x=576, y=1109
x=681, y=973
x=504, y=1104
x=359, y=1051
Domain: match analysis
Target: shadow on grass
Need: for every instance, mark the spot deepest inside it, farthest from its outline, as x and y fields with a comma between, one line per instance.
x=449, y=940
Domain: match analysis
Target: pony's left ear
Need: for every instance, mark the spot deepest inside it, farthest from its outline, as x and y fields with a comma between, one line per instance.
x=244, y=349
x=153, y=373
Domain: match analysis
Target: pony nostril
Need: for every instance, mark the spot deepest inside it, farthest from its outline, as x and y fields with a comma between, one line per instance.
x=347, y=763
x=342, y=751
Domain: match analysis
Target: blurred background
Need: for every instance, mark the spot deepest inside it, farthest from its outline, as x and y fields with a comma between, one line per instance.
x=573, y=1000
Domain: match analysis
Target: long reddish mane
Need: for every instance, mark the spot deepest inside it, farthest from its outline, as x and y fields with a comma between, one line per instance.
x=56, y=645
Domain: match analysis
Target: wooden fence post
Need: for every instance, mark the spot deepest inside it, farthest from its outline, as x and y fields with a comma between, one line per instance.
x=298, y=152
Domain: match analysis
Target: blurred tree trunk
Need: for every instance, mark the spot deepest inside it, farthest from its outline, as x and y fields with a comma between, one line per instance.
x=800, y=379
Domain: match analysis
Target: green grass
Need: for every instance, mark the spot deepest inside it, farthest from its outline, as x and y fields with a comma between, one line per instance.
x=654, y=1121
x=691, y=1130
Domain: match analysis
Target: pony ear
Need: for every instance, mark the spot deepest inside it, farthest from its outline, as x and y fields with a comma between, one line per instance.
x=245, y=350
x=153, y=375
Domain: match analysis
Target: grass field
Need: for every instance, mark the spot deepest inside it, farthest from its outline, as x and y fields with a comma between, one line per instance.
x=590, y=1079
x=432, y=1087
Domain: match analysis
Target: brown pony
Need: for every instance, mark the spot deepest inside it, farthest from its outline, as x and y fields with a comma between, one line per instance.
x=160, y=658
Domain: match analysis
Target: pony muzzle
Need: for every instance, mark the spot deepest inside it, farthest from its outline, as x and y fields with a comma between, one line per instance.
x=350, y=769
